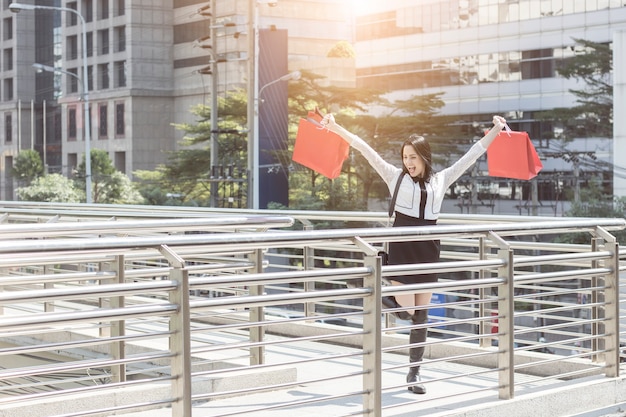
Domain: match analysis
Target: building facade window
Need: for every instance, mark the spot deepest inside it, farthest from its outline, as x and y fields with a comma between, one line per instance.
x=102, y=121
x=438, y=16
x=103, y=9
x=72, y=81
x=103, y=76
x=120, y=123
x=90, y=77
x=120, y=73
x=7, y=59
x=72, y=19
x=7, y=28
x=120, y=161
x=120, y=8
x=466, y=70
x=72, y=124
x=7, y=89
x=8, y=127
x=103, y=42
x=89, y=43
x=87, y=9
x=120, y=38
x=72, y=47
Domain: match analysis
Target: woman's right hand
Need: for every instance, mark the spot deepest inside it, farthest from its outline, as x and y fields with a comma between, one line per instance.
x=328, y=122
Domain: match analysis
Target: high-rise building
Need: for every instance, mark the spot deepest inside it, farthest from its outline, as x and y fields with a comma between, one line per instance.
x=494, y=57
x=149, y=63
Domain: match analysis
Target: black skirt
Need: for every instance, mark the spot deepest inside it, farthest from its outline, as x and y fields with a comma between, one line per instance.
x=413, y=252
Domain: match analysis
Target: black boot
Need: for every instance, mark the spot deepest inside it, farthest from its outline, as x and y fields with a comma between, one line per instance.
x=417, y=353
x=390, y=302
x=414, y=377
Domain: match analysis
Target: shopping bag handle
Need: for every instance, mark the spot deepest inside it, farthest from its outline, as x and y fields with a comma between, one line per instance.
x=507, y=129
x=315, y=122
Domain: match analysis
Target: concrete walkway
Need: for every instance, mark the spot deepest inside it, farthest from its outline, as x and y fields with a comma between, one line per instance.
x=453, y=390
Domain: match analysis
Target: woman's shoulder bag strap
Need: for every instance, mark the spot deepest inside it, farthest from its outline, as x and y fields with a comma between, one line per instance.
x=392, y=203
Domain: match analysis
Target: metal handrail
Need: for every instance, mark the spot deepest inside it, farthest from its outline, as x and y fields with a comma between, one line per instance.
x=271, y=239
x=129, y=301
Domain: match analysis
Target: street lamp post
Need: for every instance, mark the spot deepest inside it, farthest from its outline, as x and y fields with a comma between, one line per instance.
x=253, y=181
x=295, y=75
x=254, y=94
x=214, y=136
x=16, y=8
x=258, y=100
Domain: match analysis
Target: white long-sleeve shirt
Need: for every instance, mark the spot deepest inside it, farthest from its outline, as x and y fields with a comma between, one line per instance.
x=409, y=195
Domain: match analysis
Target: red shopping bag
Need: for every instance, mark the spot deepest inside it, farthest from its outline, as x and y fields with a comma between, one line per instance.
x=318, y=148
x=512, y=155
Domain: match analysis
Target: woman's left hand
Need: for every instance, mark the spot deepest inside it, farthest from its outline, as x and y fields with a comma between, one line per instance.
x=328, y=121
x=499, y=121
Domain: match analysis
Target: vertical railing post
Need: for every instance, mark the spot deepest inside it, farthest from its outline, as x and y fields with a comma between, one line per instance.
x=372, y=339
x=596, y=313
x=118, y=327
x=611, y=317
x=257, y=314
x=180, y=340
x=483, y=326
x=611, y=305
x=308, y=254
x=105, y=302
x=506, y=327
x=48, y=306
x=506, y=320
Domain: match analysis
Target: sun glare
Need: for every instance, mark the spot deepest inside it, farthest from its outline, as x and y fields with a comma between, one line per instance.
x=361, y=7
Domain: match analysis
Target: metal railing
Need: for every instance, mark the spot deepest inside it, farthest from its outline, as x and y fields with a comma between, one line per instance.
x=147, y=312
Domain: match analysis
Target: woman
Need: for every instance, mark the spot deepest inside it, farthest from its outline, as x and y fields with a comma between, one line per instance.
x=419, y=198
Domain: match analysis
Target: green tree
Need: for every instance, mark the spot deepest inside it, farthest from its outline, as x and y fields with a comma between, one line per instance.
x=150, y=187
x=385, y=133
x=50, y=188
x=341, y=193
x=187, y=172
x=592, y=64
x=119, y=189
x=342, y=49
x=389, y=130
x=594, y=203
x=27, y=166
x=109, y=186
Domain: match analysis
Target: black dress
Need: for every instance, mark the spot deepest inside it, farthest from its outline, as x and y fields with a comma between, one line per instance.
x=413, y=252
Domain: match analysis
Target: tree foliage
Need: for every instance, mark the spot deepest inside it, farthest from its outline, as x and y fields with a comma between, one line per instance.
x=384, y=129
x=108, y=185
x=592, y=65
x=27, y=166
x=187, y=170
x=594, y=203
x=342, y=49
x=50, y=188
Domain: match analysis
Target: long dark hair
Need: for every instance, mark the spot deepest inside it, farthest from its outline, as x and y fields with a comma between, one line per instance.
x=422, y=148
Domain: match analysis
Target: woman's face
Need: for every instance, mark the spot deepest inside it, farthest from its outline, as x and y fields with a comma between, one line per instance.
x=413, y=163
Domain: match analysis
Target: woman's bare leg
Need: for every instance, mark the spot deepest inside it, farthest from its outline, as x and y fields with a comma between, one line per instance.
x=412, y=300
x=405, y=300
x=422, y=299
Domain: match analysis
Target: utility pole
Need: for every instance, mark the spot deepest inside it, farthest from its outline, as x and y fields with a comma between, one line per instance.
x=252, y=180
x=214, y=186
x=576, y=180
